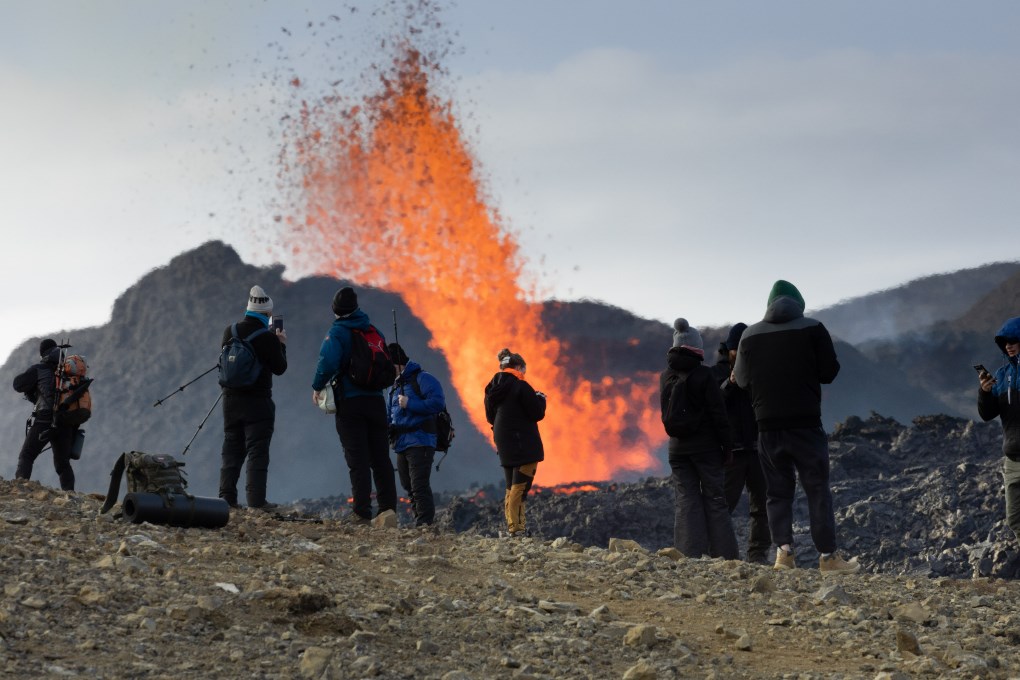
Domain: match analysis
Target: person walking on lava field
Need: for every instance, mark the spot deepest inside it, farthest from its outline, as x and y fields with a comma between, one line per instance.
x=38, y=384
x=415, y=400
x=361, y=420
x=513, y=409
x=783, y=360
x=999, y=395
x=745, y=470
x=249, y=414
x=700, y=445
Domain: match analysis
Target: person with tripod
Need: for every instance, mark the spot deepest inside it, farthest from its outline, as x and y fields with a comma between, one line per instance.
x=38, y=384
x=249, y=414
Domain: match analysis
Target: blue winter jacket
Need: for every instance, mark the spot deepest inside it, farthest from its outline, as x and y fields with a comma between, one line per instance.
x=335, y=356
x=415, y=425
x=1004, y=399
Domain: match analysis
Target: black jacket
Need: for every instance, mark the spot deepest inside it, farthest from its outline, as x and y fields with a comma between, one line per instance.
x=1004, y=401
x=39, y=380
x=783, y=361
x=702, y=392
x=271, y=352
x=513, y=408
x=738, y=409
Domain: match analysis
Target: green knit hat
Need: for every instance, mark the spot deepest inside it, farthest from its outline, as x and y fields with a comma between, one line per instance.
x=784, y=288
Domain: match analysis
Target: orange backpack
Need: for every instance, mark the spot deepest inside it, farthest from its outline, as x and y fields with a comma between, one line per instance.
x=73, y=402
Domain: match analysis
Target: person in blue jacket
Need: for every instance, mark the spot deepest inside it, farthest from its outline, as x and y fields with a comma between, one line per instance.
x=361, y=420
x=415, y=400
x=995, y=398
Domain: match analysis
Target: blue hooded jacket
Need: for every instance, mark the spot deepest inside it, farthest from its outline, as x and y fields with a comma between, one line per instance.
x=415, y=425
x=1004, y=399
x=335, y=355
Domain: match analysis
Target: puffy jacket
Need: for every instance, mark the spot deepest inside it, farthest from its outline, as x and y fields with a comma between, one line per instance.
x=783, y=360
x=1004, y=399
x=415, y=425
x=513, y=408
x=335, y=356
x=272, y=354
x=703, y=392
x=39, y=380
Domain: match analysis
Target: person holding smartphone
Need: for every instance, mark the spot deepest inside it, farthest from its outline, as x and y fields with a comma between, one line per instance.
x=998, y=396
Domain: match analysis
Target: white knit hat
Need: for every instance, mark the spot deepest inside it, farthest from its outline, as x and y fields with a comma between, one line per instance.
x=259, y=302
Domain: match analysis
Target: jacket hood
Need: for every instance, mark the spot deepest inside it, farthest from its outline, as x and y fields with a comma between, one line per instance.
x=1010, y=329
x=53, y=357
x=500, y=387
x=784, y=308
x=357, y=319
x=410, y=370
x=682, y=359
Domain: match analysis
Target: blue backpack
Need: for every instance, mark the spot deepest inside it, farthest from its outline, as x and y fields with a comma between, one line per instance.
x=239, y=365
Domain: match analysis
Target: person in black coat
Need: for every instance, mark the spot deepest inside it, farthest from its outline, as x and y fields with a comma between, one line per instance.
x=513, y=408
x=701, y=520
x=38, y=384
x=249, y=414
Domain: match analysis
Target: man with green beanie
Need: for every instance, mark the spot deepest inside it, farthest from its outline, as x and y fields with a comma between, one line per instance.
x=783, y=360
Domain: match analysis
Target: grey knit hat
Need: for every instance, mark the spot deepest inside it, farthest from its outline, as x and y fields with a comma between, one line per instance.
x=687, y=336
x=259, y=302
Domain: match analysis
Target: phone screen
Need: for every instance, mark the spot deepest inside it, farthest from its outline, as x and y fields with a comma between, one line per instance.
x=278, y=323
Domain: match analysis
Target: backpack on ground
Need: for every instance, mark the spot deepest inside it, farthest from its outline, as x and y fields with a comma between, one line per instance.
x=445, y=431
x=157, y=473
x=239, y=364
x=370, y=366
x=72, y=399
x=680, y=416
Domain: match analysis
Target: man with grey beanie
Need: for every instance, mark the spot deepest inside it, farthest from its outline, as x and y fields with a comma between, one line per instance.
x=249, y=414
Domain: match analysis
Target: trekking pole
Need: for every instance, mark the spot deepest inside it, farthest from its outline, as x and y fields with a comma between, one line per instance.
x=442, y=459
x=396, y=340
x=185, y=451
x=181, y=388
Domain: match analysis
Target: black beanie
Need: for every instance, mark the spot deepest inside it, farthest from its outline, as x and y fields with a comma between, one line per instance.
x=45, y=346
x=397, y=354
x=345, y=301
x=733, y=339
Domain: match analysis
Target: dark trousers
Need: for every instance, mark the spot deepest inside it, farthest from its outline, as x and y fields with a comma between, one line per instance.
x=60, y=440
x=364, y=435
x=745, y=471
x=248, y=423
x=414, y=465
x=785, y=456
x=701, y=521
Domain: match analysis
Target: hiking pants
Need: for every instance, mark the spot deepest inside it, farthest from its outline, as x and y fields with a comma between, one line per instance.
x=701, y=518
x=248, y=423
x=1011, y=477
x=785, y=456
x=364, y=435
x=746, y=472
x=518, y=484
x=414, y=464
x=60, y=440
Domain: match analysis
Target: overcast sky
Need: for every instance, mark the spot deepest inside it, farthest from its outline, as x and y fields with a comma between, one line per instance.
x=671, y=158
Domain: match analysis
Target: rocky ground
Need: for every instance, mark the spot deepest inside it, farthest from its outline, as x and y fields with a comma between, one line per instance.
x=88, y=595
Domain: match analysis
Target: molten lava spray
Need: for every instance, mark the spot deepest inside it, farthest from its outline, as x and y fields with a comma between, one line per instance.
x=393, y=200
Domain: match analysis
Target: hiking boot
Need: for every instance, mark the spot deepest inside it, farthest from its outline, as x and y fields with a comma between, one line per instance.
x=834, y=564
x=784, y=560
x=266, y=507
x=354, y=519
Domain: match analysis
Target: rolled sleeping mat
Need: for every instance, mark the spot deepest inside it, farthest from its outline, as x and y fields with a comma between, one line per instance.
x=183, y=511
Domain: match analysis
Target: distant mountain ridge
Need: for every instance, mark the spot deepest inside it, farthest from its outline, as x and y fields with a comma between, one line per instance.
x=166, y=329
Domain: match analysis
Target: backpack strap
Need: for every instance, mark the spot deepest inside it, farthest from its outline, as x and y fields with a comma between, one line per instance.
x=114, y=491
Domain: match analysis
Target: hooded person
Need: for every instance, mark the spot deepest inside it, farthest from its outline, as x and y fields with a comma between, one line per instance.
x=415, y=400
x=700, y=443
x=38, y=384
x=999, y=396
x=513, y=408
x=361, y=417
x=249, y=413
x=783, y=361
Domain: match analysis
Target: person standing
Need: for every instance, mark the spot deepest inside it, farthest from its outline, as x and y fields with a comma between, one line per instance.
x=701, y=521
x=745, y=470
x=513, y=408
x=38, y=384
x=783, y=360
x=249, y=414
x=361, y=419
x=995, y=399
x=415, y=400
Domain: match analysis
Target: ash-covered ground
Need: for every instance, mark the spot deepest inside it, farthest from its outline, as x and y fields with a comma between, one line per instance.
x=924, y=499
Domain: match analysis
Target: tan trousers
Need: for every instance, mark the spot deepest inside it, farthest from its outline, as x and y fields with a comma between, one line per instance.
x=518, y=483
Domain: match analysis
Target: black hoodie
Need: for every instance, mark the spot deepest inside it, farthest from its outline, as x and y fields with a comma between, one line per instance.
x=513, y=408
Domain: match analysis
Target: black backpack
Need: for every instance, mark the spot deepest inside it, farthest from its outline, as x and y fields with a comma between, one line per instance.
x=444, y=423
x=239, y=364
x=680, y=415
x=370, y=366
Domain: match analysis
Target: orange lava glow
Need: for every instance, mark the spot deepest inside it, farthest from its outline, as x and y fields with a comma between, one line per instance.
x=393, y=200
x=569, y=488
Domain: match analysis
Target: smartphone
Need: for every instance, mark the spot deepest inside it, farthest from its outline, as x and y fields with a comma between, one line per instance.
x=980, y=369
x=277, y=322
